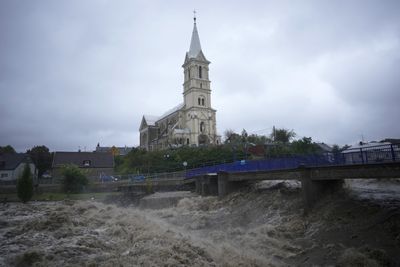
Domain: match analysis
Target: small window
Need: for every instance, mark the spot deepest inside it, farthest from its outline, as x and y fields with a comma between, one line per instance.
x=187, y=141
x=198, y=100
x=4, y=175
x=201, y=85
x=86, y=163
x=200, y=72
x=202, y=101
x=189, y=73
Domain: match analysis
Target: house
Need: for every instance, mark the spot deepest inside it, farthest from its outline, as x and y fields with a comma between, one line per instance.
x=326, y=150
x=193, y=122
x=116, y=151
x=93, y=164
x=12, y=166
x=371, y=152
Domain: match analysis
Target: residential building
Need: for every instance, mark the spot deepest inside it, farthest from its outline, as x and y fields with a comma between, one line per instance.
x=12, y=165
x=371, y=152
x=93, y=164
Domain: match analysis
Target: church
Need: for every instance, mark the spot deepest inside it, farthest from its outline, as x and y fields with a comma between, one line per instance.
x=193, y=122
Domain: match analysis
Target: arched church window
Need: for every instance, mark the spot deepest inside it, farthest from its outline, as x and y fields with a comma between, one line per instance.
x=201, y=85
x=198, y=100
x=202, y=101
x=200, y=72
x=202, y=127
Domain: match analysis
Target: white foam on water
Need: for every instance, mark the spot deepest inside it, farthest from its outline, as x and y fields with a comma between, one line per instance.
x=264, y=226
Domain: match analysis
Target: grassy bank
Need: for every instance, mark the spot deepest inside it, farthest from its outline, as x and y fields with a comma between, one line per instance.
x=61, y=196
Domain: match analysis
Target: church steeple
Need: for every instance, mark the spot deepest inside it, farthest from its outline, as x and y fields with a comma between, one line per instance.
x=195, y=46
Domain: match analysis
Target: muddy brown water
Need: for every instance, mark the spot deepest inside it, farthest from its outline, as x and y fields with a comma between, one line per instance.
x=261, y=226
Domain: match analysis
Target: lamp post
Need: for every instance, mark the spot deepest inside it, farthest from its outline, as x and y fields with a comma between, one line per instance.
x=185, y=165
x=166, y=156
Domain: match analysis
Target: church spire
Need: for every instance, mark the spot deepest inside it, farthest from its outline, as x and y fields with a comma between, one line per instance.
x=195, y=46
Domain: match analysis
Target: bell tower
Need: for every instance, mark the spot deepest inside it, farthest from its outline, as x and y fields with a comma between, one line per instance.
x=200, y=117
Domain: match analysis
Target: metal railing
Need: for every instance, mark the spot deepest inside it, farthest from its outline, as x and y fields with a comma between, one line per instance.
x=363, y=155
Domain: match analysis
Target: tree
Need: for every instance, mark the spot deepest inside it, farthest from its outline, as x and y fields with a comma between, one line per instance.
x=258, y=139
x=244, y=136
x=7, y=149
x=304, y=146
x=335, y=149
x=74, y=180
x=42, y=158
x=231, y=137
x=25, y=185
x=282, y=135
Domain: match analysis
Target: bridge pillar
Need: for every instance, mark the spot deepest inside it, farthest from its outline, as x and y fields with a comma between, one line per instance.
x=314, y=190
x=207, y=185
x=224, y=185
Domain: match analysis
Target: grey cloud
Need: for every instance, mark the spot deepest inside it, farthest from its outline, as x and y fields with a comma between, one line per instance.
x=76, y=73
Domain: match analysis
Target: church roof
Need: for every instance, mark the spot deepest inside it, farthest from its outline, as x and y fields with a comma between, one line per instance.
x=195, y=46
x=150, y=120
x=172, y=110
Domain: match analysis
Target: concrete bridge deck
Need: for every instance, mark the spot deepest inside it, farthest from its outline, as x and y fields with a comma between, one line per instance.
x=359, y=171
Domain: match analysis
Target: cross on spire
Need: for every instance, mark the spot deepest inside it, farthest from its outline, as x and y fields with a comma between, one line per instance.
x=195, y=46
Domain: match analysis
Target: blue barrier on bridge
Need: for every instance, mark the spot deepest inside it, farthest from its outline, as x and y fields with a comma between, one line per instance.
x=258, y=165
x=366, y=155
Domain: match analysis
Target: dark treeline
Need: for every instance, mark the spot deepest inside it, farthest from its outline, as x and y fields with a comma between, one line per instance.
x=141, y=161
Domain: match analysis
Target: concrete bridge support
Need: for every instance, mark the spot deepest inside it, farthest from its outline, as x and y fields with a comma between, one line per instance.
x=315, y=189
x=226, y=186
x=207, y=185
x=217, y=185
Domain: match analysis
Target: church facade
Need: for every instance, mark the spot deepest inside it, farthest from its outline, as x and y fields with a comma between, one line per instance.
x=193, y=122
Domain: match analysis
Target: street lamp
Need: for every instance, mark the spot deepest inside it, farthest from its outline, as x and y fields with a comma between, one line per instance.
x=185, y=165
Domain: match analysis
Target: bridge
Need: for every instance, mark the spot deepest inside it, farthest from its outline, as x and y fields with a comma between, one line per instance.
x=319, y=174
x=315, y=181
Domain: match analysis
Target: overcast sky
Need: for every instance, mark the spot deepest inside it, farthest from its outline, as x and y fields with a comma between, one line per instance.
x=75, y=73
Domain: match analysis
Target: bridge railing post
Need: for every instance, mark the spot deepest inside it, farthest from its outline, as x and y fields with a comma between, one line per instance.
x=392, y=151
x=362, y=156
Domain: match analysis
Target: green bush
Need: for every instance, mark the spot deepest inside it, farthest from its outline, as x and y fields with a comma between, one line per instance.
x=74, y=180
x=25, y=185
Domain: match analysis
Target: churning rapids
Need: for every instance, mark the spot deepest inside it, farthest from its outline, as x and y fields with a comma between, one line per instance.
x=261, y=226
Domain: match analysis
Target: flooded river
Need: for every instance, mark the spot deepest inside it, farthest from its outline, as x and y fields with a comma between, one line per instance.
x=260, y=226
